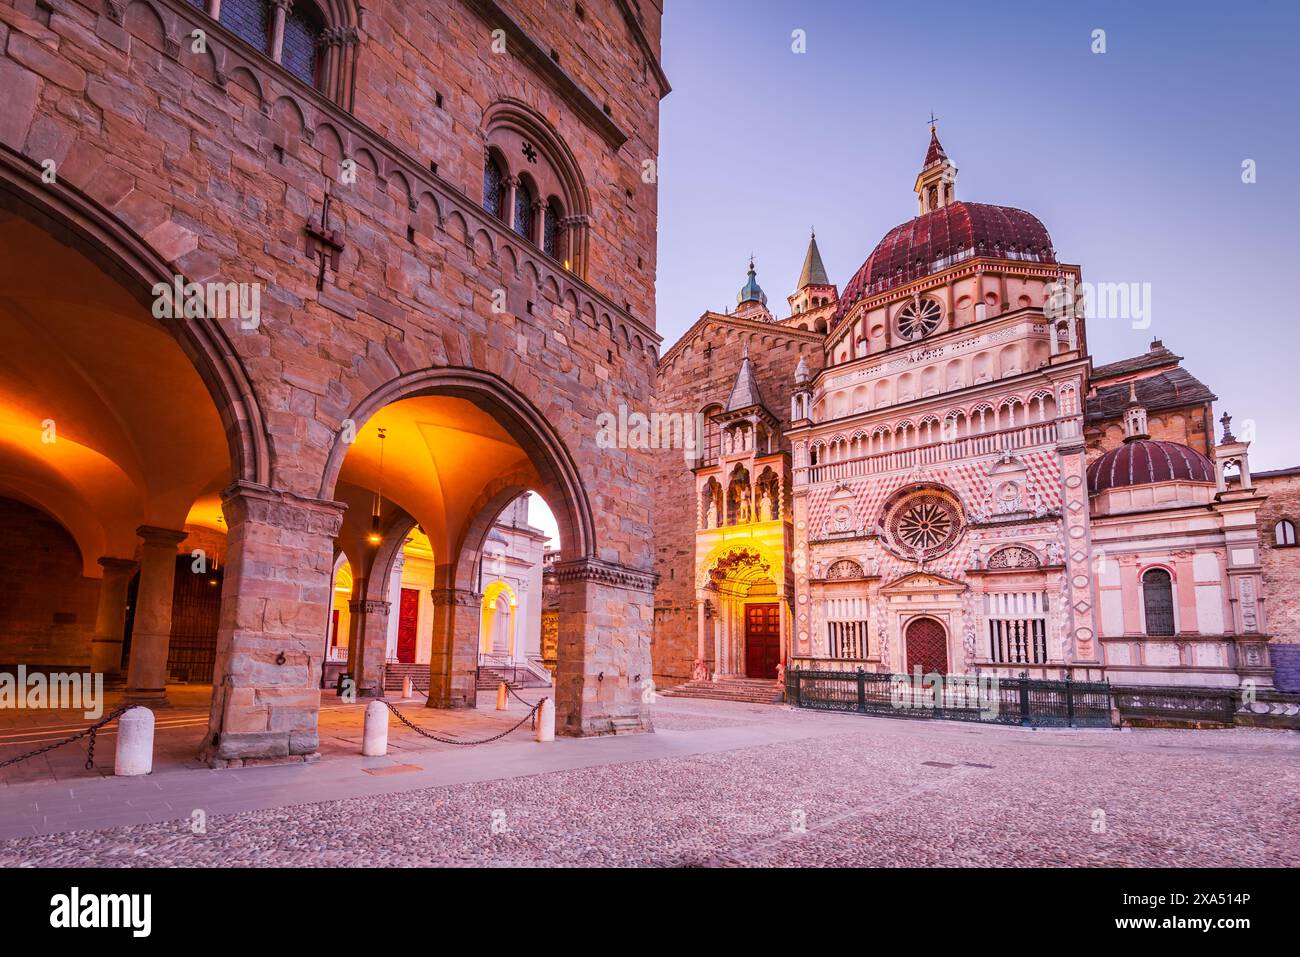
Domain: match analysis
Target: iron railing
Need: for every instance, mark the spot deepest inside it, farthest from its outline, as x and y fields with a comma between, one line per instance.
x=1031, y=702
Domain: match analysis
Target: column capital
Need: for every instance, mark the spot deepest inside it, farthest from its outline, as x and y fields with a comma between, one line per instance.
x=153, y=535
x=466, y=597
x=108, y=563
x=368, y=606
x=605, y=573
x=247, y=501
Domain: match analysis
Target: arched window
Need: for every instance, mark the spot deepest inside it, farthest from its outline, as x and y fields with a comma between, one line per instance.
x=249, y=20
x=1284, y=532
x=551, y=230
x=494, y=183
x=524, y=210
x=1158, y=601
x=303, y=27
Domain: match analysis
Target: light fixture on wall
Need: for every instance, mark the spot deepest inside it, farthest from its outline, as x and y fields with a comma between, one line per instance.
x=375, y=536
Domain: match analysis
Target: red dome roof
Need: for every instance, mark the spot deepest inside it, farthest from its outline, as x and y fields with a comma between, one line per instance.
x=1147, y=461
x=943, y=236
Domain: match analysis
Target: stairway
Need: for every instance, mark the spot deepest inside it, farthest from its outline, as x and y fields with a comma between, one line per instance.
x=395, y=671
x=747, y=690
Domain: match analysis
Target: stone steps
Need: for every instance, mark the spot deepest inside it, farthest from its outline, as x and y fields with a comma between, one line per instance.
x=745, y=690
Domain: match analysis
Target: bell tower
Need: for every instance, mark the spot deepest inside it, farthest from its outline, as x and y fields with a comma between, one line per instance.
x=936, y=184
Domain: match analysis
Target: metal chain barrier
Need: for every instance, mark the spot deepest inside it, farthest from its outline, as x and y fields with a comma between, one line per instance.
x=429, y=734
x=87, y=732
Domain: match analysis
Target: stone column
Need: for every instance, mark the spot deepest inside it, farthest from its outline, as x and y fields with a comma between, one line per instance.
x=606, y=615
x=701, y=620
x=367, y=644
x=110, y=618
x=279, y=9
x=453, y=656
x=146, y=676
x=279, y=571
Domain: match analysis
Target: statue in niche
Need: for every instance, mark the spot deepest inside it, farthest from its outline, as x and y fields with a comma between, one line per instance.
x=742, y=507
x=1055, y=553
x=765, y=507
x=711, y=518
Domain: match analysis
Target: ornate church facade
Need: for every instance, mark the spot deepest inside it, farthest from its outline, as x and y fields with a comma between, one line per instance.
x=928, y=470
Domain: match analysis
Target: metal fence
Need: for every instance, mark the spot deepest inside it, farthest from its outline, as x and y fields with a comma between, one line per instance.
x=1030, y=702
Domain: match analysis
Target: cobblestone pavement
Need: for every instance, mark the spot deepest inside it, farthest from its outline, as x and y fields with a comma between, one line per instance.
x=827, y=790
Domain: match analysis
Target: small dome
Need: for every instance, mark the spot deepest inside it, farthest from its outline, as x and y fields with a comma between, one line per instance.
x=941, y=237
x=1146, y=462
x=751, y=291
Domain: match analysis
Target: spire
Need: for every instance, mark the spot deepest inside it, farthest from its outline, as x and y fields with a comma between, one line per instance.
x=936, y=183
x=813, y=273
x=1135, y=417
x=801, y=373
x=751, y=291
x=935, y=153
x=744, y=393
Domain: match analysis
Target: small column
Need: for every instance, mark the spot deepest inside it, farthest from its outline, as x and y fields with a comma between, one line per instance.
x=146, y=681
x=280, y=8
x=512, y=186
x=110, y=618
x=701, y=620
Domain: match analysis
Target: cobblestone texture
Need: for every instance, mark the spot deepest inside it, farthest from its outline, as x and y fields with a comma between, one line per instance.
x=871, y=791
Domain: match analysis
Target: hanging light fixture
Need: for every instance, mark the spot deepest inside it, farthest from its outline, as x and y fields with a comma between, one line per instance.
x=375, y=536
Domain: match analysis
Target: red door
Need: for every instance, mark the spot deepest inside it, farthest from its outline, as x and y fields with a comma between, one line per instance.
x=408, y=618
x=762, y=640
x=927, y=646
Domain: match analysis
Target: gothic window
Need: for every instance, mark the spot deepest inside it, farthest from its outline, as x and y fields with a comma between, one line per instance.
x=302, y=30
x=493, y=187
x=254, y=22
x=524, y=210
x=1158, y=601
x=919, y=318
x=1284, y=533
x=248, y=20
x=551, y=230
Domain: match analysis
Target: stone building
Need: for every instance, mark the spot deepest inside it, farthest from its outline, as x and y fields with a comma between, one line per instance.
x=286, y=281
x=954, y=485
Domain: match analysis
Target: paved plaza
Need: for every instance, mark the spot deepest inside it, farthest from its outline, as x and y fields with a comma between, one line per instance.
x=718, y=784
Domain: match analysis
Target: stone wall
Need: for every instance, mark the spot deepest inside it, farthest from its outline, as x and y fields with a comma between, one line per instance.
x=47, y=609
x=1281, y=576
x=696, y=373
x=214, y=165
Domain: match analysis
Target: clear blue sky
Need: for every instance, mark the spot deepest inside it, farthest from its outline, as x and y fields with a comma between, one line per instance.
x=1131, y=158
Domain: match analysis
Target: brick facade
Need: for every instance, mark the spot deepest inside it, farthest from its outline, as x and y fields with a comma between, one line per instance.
x=697, y=373
x=214, y=165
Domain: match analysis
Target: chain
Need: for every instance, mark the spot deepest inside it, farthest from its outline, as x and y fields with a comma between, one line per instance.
x=85, y=732
x=429, y=734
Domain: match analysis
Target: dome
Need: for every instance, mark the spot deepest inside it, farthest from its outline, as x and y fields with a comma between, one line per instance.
x=1147, y=461
x=751, y=291
x=943, y=236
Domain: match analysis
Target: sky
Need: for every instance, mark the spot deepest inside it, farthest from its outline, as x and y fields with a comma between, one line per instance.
x=1132, y=158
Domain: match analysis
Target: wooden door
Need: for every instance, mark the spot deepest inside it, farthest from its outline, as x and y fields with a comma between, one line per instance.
x=762, y=640
x=408, y=619
x=927, y=646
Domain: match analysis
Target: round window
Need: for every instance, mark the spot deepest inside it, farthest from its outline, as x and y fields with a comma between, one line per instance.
x=919, y=318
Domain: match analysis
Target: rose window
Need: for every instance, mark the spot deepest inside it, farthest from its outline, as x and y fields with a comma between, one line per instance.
x=919, y=318
x=923, y=525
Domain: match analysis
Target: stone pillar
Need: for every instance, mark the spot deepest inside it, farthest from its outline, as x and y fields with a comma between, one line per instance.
x=279, y=570
x=367, y=644
x=278, y=11
x=701, y=619
x=146, y=676
x=606, y=616
x=110, y=619
x=453, y=657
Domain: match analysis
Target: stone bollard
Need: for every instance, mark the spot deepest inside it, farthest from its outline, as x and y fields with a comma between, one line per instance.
x=134, y=753
x=503, y=697
x=407, y=689
x=374, y=739
x=546, y=720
